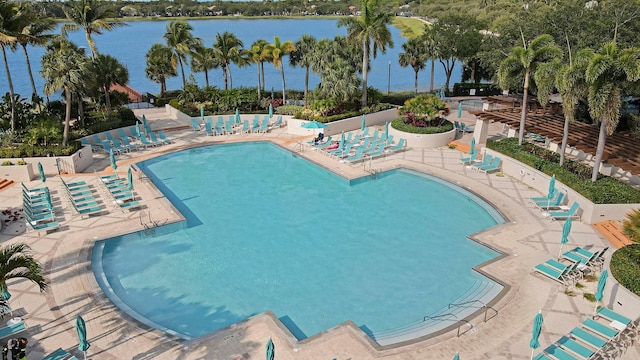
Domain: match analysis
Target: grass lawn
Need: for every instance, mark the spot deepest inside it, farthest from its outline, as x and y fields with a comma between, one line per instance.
x=410, y=27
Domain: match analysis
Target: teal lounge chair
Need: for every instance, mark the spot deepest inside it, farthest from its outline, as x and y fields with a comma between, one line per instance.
x=126, y=142
x=219, y=129
x=122, y=134
x=278, y=122
x=542, y=357
x=96, y=139
x=106, y=146
x=59, y=354
x=264, y=126
x=599, y=329
x=574, y=256
x=245, y=126
x=120, y=143
x=559, y=353
x=145, y=142
x=588, y=338
x=397, y=147
x=473, y=154
x=563, y=215
x=164, y=137
x=612, y=316
x=550, y=204
x=495, y=165
x=208, y=129
x=194, y=125
x=255, y=124
x=544, y=198
x=573, y=346
x=12, y=329
x=376, y=153
x=357, y=157
x=154, y=138
x=346, y=151
x=464, y=128
x=325, y=144
x=487, y=161
x=228, y=127
x=560, y=276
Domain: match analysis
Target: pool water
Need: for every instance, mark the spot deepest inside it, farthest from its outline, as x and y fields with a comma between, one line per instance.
x=267, y=230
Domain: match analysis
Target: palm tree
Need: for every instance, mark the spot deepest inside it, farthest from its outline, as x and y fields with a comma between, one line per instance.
x=277, y=51
x=17, y=262
x=34, y=31
x=608, y=74
x=569, y=80
x=90, y=16
x=108, y=72
x=431, y=51
x=302, y=56
x=414, y=55
x=227, y=49
x=203, y=60
x=159, y=66
x=254, y=55
x=371, y=26
x=522, y=62
x=9, y=20
x=181, y=42
x=64, y=67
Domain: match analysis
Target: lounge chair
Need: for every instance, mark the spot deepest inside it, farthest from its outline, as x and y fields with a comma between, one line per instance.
x=219, y=128
x=346, y=151
x=208, y=130
x=563, y=215
x=550, y=204
x=34, y=191
x=59, y=354
x=127, y=143
x=106, y=146
x=228, y=127
x=379, y=151
x=145, y=142
x=561, y=276
x=588, y=338
x=12, y=329
x=600, y=329
x=464, y=128
x=495, y=165
x=325, y=144
x=119, y=144
x=574, y=256
x=575, y=347
x=543, y=198
x=559, y=353
x=122, y=134
x=357, y=157
x=487, y=161
x=245, y=127
x=164, y=137
x=96, y=139
x=612, y=316
x=397, y=147
x=264, y=126
x=255, y=124
x=277, y=123
x=194, y=125
x=542, y=357
x=473, y=154
x=153, y=139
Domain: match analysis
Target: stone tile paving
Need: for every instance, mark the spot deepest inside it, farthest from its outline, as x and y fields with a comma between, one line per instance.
x=527, y=238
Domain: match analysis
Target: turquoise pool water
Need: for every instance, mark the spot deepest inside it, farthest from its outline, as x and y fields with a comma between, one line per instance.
x=266, y=230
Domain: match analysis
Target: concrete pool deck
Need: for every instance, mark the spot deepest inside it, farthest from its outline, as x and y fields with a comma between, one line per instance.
x=527, y=239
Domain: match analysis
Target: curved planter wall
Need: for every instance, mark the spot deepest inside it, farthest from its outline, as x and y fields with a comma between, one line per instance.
x=424, y=140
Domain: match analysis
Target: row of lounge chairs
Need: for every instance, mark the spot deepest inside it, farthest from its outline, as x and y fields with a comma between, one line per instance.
x=360, y=147
x=590, y=338
x=232, y=126
x=119, y=189
x=555, y=210
x=579, y=259
x=38, y=209
x=81, y=198
x=489, y=164
x=123, y=143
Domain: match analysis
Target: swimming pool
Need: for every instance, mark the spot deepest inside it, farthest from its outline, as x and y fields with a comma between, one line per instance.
x=266, y=230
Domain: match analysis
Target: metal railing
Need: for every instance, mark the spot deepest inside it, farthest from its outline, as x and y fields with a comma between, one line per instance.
x=483, y=305
x=458, y=321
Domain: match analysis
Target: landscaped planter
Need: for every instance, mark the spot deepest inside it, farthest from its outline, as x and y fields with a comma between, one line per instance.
x=294, y=126
x=428, y=141
x=17, y=172
x=53, y=165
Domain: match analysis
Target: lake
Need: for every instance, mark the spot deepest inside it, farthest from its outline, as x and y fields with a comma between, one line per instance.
x=130, y=44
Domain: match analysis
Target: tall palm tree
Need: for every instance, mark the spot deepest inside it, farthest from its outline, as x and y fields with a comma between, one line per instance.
x=371, y=26
x=277, y=51
x=432, y=52
x=34, y=31
x=569, y=80
x=159, y=66
x=254, y=56
x=522, y=62
x=227, y=49
x=203, y=60
x=302, y=56
x=414, y=55
x=64, y=67
x=108, y=72
x=17, y=262
x=91, y=16
x=608, y=74
x=181, y=42
x=264, y=56
x=9, y=21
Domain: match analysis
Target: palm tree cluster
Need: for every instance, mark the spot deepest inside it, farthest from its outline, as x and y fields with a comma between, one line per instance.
x=65, y=65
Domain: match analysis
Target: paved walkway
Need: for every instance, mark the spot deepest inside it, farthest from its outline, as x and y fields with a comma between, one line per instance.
x=527, y=239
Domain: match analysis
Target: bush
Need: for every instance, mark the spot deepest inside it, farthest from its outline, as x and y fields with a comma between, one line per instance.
x=397, y=98
x=464, y=89
x=400, y=125
x=631, y=226
x=6, y=163
x=289, y=109
x=40, y=151
x=606, y=190
x=624, y=267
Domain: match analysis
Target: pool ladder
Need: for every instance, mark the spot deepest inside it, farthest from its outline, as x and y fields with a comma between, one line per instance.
x=373, y=173
x=484, y=306
x=460, y=322
x=152, y=223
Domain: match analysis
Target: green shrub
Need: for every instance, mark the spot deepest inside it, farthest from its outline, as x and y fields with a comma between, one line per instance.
x=606, y=190
x=40, y=151
x=21, y=162
x=631, y=226
x=289, y=109
x=624, y=267
x=400, y=125
x=6, y=163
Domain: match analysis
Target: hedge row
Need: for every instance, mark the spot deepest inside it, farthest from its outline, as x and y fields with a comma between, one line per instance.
x=40, y=151
x=606, y=190
x=464, y=89
x=400, y=125
x=624, y=267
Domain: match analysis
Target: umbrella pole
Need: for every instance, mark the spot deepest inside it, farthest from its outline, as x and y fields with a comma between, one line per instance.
x=532, y=350
x=560, y=252
x=85, y=355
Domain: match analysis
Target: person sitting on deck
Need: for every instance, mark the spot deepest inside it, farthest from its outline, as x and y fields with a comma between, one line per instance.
x=318, y=139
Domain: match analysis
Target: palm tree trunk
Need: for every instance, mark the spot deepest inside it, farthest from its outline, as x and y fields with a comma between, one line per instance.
x=184, y=81
x=107, y=102
x=523, y=114
x=12, y=100
x=163, y=87
x=415, y=82
x=306, y=83
x=473, y=71
x=33, y=84
x=365, y=70
x=565, y=140
x=80, y=110
x=433, y=70
x=262, y=70
x=602, y=139
x=67, y=116
x=283, y=86
x=206, y=77
x=259, y=84
x=224, y=76
x=230, y=77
